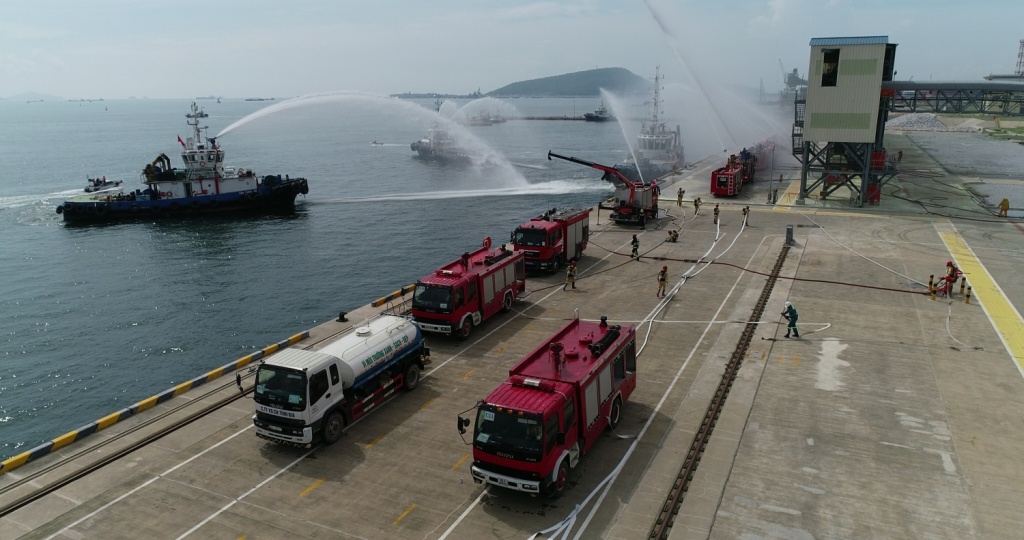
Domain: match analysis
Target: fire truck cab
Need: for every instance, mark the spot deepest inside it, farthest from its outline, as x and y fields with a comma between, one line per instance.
x=553, y=238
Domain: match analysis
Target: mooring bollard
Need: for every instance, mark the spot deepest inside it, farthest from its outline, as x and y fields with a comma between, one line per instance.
x=789, y=236
x=967, y=299
x=963, y=281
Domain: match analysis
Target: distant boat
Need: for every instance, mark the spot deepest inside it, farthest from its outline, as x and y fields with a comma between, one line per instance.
x=196, y=112
x=482, y=119
x=439, y=145
x=260, y=99
x=600, y=114
x=100, y=184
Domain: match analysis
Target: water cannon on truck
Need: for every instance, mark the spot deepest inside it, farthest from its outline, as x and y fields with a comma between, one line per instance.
x=634, y=202
x=301, y=394
x=534, y=428
x=553, y=238
x=469, y=290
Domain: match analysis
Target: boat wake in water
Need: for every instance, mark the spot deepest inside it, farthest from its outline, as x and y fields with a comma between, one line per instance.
x=16, y=201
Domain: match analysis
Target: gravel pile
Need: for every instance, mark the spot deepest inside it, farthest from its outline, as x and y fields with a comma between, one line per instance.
x=925, y=122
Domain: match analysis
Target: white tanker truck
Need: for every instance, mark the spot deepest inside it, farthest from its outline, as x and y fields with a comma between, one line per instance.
x=304, y=394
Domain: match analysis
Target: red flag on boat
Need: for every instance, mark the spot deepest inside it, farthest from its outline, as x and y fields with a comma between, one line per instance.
x=181, y=141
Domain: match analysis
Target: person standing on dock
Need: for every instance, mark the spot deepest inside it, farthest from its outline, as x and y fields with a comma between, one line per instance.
x=791, y=315
x=1004, y=207
x=679, y=196
x=636, y=248
x=570, y=275
x=899, y=156
x=746, y=212
x=716, y=213
x=696, y=206
x=662, y=280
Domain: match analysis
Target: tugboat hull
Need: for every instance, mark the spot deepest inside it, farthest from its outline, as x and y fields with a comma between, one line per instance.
x=278, y=199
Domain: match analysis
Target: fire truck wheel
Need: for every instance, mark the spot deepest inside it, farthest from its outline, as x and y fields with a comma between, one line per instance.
x=465, y=329
x=412, y=377
x=556, y=264
x=333, y=426
x=616, y=413
x=561, y=481
x=506, y=305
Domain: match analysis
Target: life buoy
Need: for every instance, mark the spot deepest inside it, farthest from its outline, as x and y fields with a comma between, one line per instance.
x=487, y=242
x=202, y=163
x=100, y=210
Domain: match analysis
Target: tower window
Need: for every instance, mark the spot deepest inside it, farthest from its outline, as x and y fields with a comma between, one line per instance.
x=829, y=67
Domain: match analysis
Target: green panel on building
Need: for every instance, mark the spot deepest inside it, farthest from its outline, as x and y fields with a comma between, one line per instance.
x=849, y=68
x=839, y=121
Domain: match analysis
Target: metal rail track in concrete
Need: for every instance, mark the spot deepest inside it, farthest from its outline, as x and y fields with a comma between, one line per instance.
x=666, y=518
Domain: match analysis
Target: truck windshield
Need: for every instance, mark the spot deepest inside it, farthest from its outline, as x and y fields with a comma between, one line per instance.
x=529, y=237
x=280, y=387
x=435, y=298
x=510, y=434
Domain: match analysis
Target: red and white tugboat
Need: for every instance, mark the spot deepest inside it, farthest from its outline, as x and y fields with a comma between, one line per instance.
x=203, y=187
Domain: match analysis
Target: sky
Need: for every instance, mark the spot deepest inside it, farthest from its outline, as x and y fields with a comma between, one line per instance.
x=116, y=49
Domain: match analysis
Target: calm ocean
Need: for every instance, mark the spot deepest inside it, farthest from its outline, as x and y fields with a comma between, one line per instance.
x=93, y=319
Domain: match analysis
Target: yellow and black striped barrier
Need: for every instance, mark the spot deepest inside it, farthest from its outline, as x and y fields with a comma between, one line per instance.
x=397, y=294
x=14, y=462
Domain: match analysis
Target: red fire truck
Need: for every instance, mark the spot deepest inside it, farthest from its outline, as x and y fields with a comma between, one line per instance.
x=634, y=202
x=555, y=237
x=465, y=292
x=729, y=180
x=533, y=429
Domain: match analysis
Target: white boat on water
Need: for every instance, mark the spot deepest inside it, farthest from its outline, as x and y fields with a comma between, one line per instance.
x=658, y=150
x=101, y=184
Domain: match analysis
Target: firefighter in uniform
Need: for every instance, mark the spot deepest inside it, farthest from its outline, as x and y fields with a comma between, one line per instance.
x=696, y=206
x=1004, y=207
x=570, y=275
x=791, y=315
x=662, y=280
x=716, y=213
x=746, y=212
x=679, y=196
x=673, y=235
x=636, y=248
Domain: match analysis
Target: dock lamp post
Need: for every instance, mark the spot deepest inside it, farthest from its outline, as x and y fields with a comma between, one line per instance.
x=771, y=176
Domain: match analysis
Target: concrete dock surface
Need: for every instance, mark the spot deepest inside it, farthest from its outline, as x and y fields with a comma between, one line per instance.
x=893, y=415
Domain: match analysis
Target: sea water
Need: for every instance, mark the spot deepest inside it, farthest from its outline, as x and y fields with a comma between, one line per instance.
x=96, y=318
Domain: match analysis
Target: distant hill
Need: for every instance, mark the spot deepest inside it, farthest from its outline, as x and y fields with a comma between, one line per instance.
x=34, y=96
x=582, y=83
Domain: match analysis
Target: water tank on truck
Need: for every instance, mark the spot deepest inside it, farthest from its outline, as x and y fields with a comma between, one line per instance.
x=304, y=394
